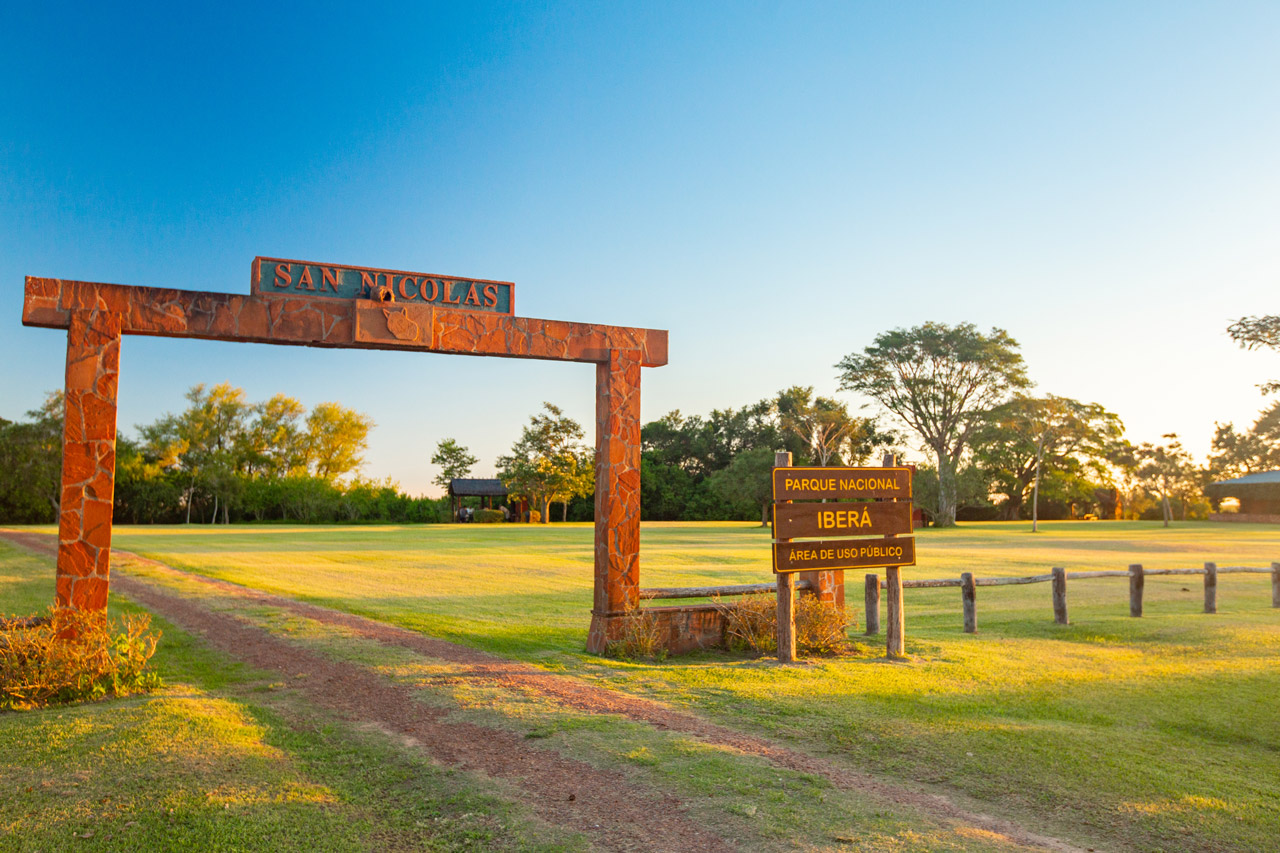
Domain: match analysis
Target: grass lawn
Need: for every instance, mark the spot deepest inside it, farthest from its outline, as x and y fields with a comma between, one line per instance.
x=1157, y=733
x=223, y=759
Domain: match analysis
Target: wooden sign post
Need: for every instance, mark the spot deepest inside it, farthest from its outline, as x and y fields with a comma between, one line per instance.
x=810, y=536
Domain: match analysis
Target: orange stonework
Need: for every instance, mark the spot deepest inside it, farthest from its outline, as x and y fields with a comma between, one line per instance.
x=96, y=315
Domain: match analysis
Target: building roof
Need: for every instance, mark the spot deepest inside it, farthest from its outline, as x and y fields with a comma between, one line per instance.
x=1252, y=479
x=477, y=488
x=1250, y=484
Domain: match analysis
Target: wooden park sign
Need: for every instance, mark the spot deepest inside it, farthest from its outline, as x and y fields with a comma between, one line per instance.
x=820, y=521
x=830, y=554
x=303, y=303
x=820, y=538
x=826, y=484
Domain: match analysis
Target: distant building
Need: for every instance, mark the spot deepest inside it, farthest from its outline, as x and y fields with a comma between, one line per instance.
x=1259, y=496
x=489, y=492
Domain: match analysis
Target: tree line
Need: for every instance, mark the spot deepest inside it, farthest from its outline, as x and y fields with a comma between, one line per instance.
x=221, y=459
x=996, y=450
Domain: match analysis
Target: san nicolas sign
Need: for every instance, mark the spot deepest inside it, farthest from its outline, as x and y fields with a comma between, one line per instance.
x=280, y=277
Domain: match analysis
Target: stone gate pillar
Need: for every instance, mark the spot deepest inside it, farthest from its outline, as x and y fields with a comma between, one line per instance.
x=617, y=510
x=828, y=585
x=88, y=459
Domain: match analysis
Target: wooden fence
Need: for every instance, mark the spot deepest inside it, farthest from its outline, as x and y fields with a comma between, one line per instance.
x=968, y=585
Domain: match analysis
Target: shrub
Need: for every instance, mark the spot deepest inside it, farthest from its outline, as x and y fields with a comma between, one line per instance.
x=641, y=637
x=489, y=516
x=73, y=655
x=821, y=629
x=751, y=625
x=535, y=517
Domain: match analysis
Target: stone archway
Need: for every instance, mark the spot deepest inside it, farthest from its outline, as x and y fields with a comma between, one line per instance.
x=323, y=305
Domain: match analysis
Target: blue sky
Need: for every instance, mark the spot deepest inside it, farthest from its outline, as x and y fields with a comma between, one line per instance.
x=773, y=183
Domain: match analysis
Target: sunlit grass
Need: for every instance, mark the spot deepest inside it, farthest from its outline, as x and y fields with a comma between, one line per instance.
x=521, y=589
x=224, y=759
x=1124, y=732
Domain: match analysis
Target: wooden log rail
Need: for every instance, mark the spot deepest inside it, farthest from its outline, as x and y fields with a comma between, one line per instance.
x=944, y=582
x=968, y=584
x=712, y=591
x=1136, y=575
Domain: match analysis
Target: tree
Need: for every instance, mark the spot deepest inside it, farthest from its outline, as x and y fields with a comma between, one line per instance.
x=547, y=463
x=1254, y=332
x=1165, y=469
x=203, y=443
x=1258, y=449
x=972, y=489
x=1123, y=464
x=1022, y=439
x=337, y=438
x=274, y=444
x=749, y=477
x=940, y=381
x=220, y=444
x=31, y=463
x=826, y=428
x=455, y=462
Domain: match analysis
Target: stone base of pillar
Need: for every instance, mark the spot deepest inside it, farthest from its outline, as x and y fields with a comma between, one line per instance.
x=606, y=628
x=683, y=628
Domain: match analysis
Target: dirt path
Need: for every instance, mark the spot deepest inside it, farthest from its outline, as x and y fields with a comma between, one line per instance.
x=614, y=812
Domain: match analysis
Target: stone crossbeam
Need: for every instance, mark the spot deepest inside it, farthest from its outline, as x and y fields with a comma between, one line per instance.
x=360, y=324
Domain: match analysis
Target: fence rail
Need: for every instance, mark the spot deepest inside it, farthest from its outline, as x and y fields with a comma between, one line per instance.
x=968, y=585
x=1059, y=577
x=943, y=582
x=711, y=591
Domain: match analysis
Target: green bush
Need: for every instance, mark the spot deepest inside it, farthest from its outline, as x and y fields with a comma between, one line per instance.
x=73, y=655
x=489, y=516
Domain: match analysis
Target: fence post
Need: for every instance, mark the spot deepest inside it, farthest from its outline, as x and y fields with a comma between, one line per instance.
x=1275, y=584
x=1210, y=587
x=786, y=591
x=1060, y=596
x=786, y=617
x=872, y=602
x=968, y=596
x=895, y=629
x=1135, y=590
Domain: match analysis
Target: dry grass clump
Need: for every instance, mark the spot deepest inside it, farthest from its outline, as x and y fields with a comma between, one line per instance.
x=641, y=637
x=751, y=625
x=72, y=655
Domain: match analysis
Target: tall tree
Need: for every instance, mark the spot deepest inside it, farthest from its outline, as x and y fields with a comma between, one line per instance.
x=455, y=462
x=337, y=438
x=826, y=428
x=203, y=443
x=1254, y=332
x=940, y=381
x=274, y=444
x=546, y=464
x=1166, y=469
x=1022, y=439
